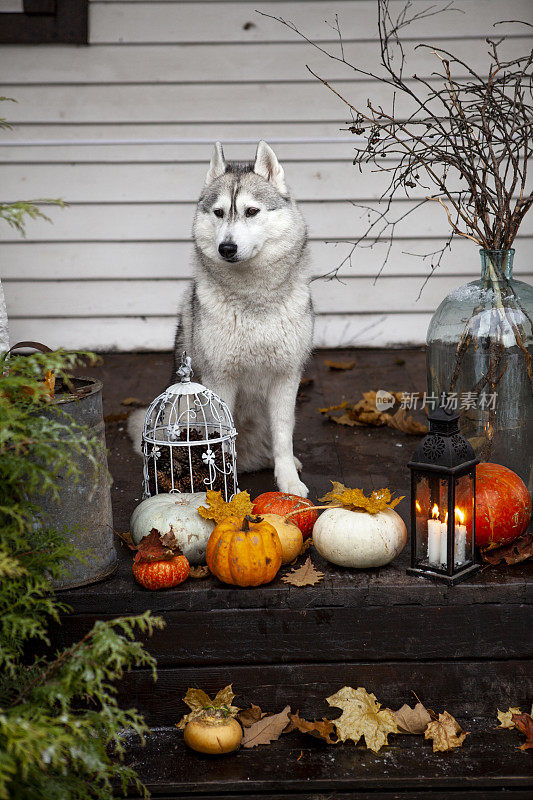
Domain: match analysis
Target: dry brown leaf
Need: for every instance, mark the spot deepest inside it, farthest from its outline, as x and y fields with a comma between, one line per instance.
x=515, y=552
x=50, y=384
x=446, y=733
x=505, y=718
x=412, y=720
x=524, y=723
x=306, y=575
x=134, y=402
x=219, y=509
x=156, y=547
x=320, y=728
x=201, y=571
x=126, y=538
x=366, y=413
x=266, y=730
x=248, y=716
x=199, y=702
x=339, y=365
x=362, y=715
x=356, y=500
x=401, y=421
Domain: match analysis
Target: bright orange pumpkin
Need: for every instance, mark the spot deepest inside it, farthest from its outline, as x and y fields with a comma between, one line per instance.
x=244, y=552
x=163, y=574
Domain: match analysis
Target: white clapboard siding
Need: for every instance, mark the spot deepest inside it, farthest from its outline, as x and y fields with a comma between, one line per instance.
x=158, y=260
x=123, y=131
x=152, y=222
x=157, y=333
x=199, y=103
x=179, y=183
x=230, y=22
x=161, y=298
x=233, y=63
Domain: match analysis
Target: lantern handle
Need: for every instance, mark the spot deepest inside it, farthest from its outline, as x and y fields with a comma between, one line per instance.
x=185, y=370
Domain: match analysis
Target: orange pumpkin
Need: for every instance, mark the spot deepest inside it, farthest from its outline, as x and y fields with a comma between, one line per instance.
x=244, y=552
x=163, y=574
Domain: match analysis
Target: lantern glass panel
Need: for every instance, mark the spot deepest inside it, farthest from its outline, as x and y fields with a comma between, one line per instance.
x=464, y=520
x=431, y=515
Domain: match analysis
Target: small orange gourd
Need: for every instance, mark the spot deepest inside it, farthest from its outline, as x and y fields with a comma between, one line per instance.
x=244, y=552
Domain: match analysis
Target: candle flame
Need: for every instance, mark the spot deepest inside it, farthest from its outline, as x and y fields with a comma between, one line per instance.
x=417, y=506
x=446, y=519
x=459, y=515
x=435, y=511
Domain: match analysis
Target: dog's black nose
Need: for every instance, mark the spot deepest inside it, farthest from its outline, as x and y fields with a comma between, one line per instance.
x=227, y=249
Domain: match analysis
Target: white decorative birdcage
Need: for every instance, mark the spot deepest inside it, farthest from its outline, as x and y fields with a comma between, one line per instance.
x=188, y=440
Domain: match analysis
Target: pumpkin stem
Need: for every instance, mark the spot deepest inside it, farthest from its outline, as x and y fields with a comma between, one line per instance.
x=246, y=522
x=308, y=508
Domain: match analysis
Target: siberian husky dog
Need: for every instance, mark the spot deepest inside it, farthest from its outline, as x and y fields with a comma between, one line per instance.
x=247, y=319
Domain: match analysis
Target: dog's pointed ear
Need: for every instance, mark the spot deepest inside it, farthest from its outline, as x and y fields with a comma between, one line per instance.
x=217, y=167
x=268, y=167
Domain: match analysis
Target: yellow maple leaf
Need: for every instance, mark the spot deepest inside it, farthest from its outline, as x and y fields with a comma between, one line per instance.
x=362, y=715
x=446, y=733
x=200, y=704
x=505, y=718
x=219, y=510
x=356, y=500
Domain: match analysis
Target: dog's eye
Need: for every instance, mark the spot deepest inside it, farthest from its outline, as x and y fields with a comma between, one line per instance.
x=251, y=212
x=218, y=212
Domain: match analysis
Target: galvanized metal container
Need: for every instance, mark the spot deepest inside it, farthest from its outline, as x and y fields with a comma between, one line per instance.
x=84, y=507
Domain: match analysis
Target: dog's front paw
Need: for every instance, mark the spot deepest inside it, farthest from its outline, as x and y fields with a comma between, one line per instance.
x=288, y=480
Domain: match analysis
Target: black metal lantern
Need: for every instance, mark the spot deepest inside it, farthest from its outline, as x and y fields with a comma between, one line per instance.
x=443, y=501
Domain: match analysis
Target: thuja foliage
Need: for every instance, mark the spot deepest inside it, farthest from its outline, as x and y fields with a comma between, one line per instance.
x=16, y=214
x=61, y=728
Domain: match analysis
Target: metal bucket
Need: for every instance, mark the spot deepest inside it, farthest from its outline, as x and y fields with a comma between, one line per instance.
x=84, y=507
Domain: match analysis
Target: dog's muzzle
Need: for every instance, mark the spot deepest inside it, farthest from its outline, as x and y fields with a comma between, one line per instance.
x=228, y=250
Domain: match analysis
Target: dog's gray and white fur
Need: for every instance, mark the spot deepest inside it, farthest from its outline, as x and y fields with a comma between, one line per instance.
x=247, y=320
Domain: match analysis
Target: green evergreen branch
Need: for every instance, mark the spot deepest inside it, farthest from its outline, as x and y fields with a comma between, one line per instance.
x=61, y=728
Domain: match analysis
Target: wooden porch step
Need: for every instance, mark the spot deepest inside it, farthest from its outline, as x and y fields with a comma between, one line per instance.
x=466, y=649
x=295, y=766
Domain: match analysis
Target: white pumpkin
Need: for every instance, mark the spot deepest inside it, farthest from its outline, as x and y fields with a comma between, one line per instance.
x=359, y=539
x=177, y=513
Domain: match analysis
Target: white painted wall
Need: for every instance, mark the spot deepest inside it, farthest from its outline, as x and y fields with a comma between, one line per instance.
x=110, y=270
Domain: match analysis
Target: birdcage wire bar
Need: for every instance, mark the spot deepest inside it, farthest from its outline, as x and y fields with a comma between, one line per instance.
x=170, y=420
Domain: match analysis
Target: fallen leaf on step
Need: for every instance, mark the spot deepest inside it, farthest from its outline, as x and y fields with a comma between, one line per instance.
x=201, y=571
x=362, y=715
x=446, y=733
x=515, y=552
x=339, y=365
x=401, y=421
x=320, y=728
x=266, y=730
x=365, y=412
x=505, y=717
x=412, y=720
x=306, y=575
x=134, y=402
x=248, y=716
x=524, y=723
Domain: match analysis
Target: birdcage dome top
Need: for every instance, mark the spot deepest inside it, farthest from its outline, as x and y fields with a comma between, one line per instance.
x=188, y=406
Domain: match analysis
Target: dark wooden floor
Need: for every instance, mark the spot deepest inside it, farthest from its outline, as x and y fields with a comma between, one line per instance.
x=467, y=648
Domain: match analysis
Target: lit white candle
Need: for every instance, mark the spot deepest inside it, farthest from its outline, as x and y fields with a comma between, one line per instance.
x=444, y=541
x=434, y=537
x=460, y=537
